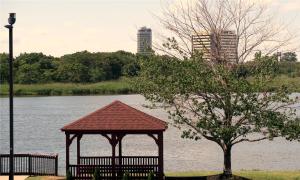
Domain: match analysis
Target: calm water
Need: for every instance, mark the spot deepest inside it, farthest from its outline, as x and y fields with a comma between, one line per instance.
x=37, y=129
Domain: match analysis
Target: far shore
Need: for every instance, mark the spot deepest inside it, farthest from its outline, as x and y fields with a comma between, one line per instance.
x=116, y=87
x=69, y=89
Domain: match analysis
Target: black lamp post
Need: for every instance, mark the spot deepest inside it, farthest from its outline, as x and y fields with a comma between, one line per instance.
x=11, y=21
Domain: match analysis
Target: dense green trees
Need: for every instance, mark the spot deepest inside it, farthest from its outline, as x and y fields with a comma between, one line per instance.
x=289, y=57
x=3, y=67
x=34, y=68
x=87, y=67
x=79, y=67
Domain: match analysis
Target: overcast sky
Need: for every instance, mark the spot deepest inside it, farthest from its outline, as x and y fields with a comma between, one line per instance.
x=58, y=27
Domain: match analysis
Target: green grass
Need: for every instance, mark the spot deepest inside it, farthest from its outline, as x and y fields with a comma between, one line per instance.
x=57, y=89
x=271, y=175
x=254, y=174
x=293, y=83
x=192, y=173
x=121, y=86
x=45, y=178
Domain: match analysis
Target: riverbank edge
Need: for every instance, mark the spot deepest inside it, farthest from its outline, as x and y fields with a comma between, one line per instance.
x=118, y=87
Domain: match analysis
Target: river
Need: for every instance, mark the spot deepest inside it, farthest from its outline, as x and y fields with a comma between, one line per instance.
x=37, y=130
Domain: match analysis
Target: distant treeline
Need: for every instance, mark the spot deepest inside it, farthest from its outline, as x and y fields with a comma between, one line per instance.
x=80, y=67
x=86, y=67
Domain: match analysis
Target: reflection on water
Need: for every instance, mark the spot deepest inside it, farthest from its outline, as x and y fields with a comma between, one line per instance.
x=37, y=129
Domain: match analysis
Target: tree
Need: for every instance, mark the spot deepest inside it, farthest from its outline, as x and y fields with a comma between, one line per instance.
x=216, y=98
x=34, y=68
x=219, y=103
x=75, y=67
x=131, y=69
x=289, y=57
x=254, y=27
x=4, y=68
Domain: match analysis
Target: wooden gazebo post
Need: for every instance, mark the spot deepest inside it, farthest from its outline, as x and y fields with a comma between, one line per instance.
x=120, y=137
x=78, y=148
x=160, y=155
x=67, y=151
x=113, y=145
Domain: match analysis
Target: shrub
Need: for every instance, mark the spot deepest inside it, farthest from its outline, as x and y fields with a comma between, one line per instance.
x=69, y=176
x=56, y=92
x=151, y=176
x=125, y=176
x=44, y=92
x=19, y=92
x=80, y=91
x=96, y=175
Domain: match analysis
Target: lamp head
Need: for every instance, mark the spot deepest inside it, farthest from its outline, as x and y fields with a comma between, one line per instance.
x=12, y=18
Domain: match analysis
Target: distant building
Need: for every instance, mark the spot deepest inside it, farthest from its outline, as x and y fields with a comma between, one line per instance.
x=144, y=41
x=213, y=46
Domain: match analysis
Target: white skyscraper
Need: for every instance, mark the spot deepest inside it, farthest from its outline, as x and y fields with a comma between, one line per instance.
x=144, y=41
x=222, y=46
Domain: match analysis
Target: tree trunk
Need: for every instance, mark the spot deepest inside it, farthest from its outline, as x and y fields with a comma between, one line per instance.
x=227, y=162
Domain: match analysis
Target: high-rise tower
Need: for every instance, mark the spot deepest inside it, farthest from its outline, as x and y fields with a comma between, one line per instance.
x=221, y=45
x=144, y=41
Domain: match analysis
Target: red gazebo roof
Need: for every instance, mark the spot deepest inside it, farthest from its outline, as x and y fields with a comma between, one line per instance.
x=116, y=116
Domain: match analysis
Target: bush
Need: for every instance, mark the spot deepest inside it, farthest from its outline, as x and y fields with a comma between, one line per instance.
x=151, y=176
x=56, y=92
x=125, y=176
x=80, y=91
x=96, y=175
x=19, y=92
x=44, y=92
x=69, y=176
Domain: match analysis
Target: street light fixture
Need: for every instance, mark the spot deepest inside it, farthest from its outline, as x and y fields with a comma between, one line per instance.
x=11, y=21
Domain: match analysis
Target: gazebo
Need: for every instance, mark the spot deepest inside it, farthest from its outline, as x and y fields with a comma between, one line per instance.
x=113, y=122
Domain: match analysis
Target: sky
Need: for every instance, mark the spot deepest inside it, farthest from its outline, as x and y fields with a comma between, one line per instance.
x=58, y=27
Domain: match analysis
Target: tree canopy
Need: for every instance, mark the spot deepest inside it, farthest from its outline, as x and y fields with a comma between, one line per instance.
x=79, y=67
x=219, y=101
x=289, y=57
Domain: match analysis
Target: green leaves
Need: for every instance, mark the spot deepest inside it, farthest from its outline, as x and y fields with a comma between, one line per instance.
x=221, y=102
x=34, y=68
x=4, y=68
x=80, y=67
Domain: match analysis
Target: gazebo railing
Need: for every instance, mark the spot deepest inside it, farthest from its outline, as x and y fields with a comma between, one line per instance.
x=126, y=160
x=138, y=167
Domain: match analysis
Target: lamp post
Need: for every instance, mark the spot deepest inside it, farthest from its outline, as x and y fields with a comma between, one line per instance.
x=11, y=21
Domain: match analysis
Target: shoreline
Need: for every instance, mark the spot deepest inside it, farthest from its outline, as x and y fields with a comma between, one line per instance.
x=117, y=87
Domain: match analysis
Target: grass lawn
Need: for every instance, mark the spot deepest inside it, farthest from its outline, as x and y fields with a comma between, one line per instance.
x=273, y=175
x=45, y=178
x=255, y=175
x=56, y=89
